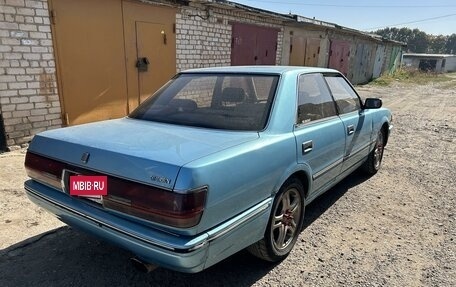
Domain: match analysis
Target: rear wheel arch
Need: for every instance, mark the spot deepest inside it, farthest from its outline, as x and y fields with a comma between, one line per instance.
x=303, y=177
x=301, y=172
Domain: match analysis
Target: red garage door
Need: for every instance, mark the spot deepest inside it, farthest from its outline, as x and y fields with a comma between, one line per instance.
x=339, y=56
x=253, y=45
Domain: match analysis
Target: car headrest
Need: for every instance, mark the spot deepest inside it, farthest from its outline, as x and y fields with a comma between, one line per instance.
x=184, y=104
x=233, y=95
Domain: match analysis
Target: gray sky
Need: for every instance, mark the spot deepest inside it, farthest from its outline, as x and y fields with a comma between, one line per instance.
x=433, y=17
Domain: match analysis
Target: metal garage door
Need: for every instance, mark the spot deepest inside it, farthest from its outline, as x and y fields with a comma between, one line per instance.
x=339, y=56
x=150, y=47
x=253, y=45
x=98, y=44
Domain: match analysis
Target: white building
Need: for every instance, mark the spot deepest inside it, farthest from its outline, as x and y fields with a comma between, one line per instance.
x=439, y=63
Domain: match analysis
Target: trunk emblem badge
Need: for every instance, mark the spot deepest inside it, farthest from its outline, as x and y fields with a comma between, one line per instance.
x=85, y=157
x=160, y=179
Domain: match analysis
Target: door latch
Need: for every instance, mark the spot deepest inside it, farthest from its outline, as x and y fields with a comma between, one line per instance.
x=307, y=147
x=164, y=37
x=350, y=129
x=142, y=64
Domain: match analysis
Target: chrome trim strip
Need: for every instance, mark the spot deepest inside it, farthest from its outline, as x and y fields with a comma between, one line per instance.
x=191, y=191
x=351, y=166
x=238, y=220
x=328, y=168
x=299, y=126
x=359, y=150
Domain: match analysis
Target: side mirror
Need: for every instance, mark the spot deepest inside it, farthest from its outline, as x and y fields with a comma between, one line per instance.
x=372, y=103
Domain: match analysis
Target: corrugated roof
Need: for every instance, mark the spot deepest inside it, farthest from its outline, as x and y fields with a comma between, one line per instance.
x=293, y=19
x=423, y=55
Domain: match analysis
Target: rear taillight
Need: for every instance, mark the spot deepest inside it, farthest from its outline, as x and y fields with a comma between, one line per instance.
x=44, y=169
x=175, y=209
x=151, y=203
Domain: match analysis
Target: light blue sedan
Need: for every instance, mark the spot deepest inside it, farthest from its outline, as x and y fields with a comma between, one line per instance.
x=217, y=160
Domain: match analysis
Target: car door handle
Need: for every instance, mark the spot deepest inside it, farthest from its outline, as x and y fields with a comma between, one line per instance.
x=350, y=129
x=307, y=147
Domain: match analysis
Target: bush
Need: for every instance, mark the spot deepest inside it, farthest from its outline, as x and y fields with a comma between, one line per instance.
x=412, y=76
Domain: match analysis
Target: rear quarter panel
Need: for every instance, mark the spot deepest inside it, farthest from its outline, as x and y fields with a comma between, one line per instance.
x=239, y=177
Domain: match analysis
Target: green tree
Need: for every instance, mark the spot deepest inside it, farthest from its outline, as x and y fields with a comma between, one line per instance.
x=450, y=45
x=437, y=44
x=417, y=41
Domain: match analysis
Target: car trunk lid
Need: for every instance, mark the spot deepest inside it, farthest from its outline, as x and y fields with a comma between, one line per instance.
x=146, y=152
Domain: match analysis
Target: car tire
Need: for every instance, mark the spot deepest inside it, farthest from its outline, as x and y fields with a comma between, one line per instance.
x=284, y=223
x=374, y=159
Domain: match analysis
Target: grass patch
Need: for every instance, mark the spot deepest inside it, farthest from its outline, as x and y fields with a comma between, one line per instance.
x=417, y=78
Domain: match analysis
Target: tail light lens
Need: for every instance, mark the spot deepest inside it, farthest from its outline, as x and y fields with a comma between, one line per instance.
x=154, y=204
x=181, y=210
x=43, y=169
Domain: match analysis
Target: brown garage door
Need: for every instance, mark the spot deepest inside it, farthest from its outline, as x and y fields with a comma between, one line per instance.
x=304, y=51
x=297, y=51
x=150, y=44
x=98, y=44
x=312, y=52
x=90, y=58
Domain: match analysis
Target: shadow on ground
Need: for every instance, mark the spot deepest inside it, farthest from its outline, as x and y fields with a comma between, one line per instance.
x=65, y=257
x=325, y=201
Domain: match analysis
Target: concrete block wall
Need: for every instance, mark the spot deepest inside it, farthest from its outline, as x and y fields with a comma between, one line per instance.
x=29, y=102
x=204, y=39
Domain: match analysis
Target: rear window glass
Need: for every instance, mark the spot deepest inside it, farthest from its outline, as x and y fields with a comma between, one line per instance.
x=219, y=101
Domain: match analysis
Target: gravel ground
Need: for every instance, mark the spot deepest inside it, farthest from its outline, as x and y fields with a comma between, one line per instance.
x=396, y=228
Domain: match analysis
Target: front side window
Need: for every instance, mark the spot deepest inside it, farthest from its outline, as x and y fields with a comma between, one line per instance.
x=220, y=101
x=346, y=99
x=314, y=99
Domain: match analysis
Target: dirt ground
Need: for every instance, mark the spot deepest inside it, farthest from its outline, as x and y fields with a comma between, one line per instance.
x=397, y=228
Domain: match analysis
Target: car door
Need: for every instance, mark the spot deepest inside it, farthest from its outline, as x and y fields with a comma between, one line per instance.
x=357, y=124
x=319, y=132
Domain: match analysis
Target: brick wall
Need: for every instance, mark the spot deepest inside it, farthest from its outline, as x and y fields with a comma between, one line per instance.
x=29, y=102
x=203, y=41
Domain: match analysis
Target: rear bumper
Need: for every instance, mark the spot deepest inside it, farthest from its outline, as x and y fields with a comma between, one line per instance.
x=188, y=254
x=184, y=254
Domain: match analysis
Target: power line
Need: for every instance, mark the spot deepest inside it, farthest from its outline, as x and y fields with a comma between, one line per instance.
x=354, y=6
x=412, y=22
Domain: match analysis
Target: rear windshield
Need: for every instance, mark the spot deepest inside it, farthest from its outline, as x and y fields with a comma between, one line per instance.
x=219, y=101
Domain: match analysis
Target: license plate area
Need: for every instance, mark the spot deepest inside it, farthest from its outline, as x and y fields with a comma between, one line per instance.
x=84, y=186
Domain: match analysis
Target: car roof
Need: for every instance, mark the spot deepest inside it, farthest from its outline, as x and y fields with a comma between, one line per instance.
x=261, y=69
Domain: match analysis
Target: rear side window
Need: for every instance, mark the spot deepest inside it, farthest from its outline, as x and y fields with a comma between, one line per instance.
x=346, y=99
x=314, y=100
